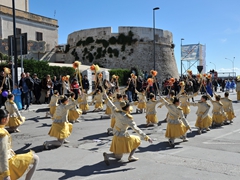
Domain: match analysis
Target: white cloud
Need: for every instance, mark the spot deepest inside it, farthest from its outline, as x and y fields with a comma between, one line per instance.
x=228, y=69
x=223, y=40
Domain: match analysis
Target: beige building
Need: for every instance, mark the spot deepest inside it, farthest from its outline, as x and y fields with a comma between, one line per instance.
x=42, y=31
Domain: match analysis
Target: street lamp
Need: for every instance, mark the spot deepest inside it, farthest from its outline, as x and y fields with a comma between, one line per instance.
x=15, y=78
x=232, y=64
x=154, y=61
x=181, y=55
x=214, y=65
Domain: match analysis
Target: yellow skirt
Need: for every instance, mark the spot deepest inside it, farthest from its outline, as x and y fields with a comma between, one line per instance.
x=60, y=130
x=19, y=163
x=205, y=123
x=218, y=118
x=141, y=105
x=15, y=121
x=121, y=145
x=238, y=95
x=186, y=110
x=175, y=130
x=113, y=121
x=230, y=115
x=108, y=111
x=84, y=107
x=73, y=115
x=151, y=118
x=52, y=110
x=98, y=105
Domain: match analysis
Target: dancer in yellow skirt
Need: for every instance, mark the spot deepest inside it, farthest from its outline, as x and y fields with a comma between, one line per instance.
x=118, y=91
x=53, y=103
x=177, y=124
x=151, y=110
x=13, y=166
x=142, y=101
x=238, y=88
x=83, y=101
x=122, y=142
x=98, y=99
x=74, y=113
x=108, y=110
x=183, y=98
x=228, y=107
x=61, y=128
x=204, y=120
x=219, y=116
x=15, y=119
x=113, y=119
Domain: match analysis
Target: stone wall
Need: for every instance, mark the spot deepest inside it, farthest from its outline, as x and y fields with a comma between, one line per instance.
x=19, y=4
x=137, y=51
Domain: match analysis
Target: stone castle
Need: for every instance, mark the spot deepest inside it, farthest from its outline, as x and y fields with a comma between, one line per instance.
x=130, y=47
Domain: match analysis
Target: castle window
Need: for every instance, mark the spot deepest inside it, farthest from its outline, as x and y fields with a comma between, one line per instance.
x=39, y=36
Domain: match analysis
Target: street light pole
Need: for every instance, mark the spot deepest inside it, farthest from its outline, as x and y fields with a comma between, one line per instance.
x=154, y=60
x=232, y=64
x=181, y=55
x=15, y=78
x=214, y=65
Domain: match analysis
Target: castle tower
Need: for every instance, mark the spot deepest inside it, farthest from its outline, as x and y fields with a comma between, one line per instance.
x=22, y=5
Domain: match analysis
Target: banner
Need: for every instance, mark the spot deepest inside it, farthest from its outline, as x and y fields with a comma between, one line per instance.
x=190, y=52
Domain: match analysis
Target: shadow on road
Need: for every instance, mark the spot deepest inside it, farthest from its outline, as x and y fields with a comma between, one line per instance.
x=88, y=170
x=42, y=110
x=44, y=125
x=94, y=136
x=26, y=149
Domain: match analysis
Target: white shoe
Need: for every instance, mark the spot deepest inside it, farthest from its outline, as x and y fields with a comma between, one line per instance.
x=45, y=146
x=132, y=159
x=66, y=141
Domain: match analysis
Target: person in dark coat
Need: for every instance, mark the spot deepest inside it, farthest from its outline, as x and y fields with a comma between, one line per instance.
x=37, y=88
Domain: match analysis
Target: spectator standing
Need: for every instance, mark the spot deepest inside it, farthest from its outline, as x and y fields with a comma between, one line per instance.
x=37, y=88
x=176, y=86
x=30, y=85
x=75, y=88
x=17, y=96
x=47, y=86
x=85, y=84
x=130, y=89
x=215, y=84
x=25, y=91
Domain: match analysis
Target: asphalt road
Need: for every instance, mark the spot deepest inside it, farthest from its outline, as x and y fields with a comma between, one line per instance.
x=212, y=155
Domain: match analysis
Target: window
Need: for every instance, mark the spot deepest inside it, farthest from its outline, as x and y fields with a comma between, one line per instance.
x=18, y=31
x=39, y=36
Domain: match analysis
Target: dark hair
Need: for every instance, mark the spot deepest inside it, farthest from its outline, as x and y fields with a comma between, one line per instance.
x=72, y=94
x=175, y=100
x=126, y=106
x=3, y=114
x=10, y=96
x=119, y=96
x=172, y=92
x=218, y=97
x=205, y=97
x=64, y=99
x=124, y=96
x=151, y=95
x=109, y=93
x=55, y=91
x=226, y=94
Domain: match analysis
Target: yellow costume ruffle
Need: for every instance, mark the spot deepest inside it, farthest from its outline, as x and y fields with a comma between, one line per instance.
x=113, y=121
x=238, y=95
x=141, y=105
x=218, y=118
x=151, y=118
x=205, y=123
x=230, y=115
x=175, y=130
x=73, y=115
x=121, y=145
x=19, y=163
x=60, y=130
x=108, y=111
x=186, y=109
x=52, y=110
x=98, y=105
x=84, y=107
x=15, y=121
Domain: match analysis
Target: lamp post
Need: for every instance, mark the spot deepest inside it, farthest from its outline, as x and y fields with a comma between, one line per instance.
x=154, y=61
x=232, y=64
x=214, y=65
x=181, y=55
x=15, y=78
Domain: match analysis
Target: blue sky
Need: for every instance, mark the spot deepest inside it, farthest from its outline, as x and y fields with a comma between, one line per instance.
x=215, y=23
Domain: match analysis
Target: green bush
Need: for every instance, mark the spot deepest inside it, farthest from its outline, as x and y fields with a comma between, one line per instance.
x=123, y=74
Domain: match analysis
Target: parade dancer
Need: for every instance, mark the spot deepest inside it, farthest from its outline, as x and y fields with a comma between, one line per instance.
x=122, y=142
x=13, y=166
x=108, y=110
x=61, y=128
x=177, y=125
x=118, y=91
x=142, y=101
x=53, y=103
x=219, y=117
x=228, y=107
x=74, y=113
x=151, y=110
x=83, y=101
x=15, y=119
x=204, y=120
x=113, y=119
x=98, y=99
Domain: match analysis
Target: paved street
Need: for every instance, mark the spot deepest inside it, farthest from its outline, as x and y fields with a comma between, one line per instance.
x=212, y=155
